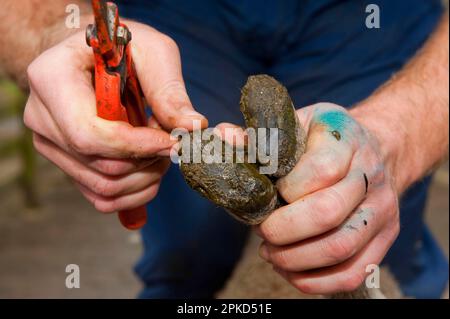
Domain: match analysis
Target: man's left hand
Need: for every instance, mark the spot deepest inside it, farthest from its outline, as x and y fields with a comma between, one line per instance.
x=342, y=213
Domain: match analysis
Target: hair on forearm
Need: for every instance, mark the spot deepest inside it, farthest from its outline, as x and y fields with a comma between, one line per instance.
x=29, y=27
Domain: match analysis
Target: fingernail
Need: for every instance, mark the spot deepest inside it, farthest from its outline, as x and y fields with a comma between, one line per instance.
x=264, y=252
x=190, y=113
x=195, y=122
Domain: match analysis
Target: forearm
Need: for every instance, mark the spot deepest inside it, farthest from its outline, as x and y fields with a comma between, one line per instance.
x=29, y=27
x=409, y=114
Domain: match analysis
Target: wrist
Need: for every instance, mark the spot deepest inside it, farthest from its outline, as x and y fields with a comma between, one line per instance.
x=49, y=36
x=38, y=26
x=392, y=138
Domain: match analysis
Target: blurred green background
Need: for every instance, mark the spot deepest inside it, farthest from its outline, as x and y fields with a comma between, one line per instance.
x=16, y=146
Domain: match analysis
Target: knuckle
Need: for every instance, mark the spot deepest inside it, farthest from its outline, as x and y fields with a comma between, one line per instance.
x=326, y=211
x=78, y=143
x=338, y=249
x=282, y=259
x=393, y=224
x=381, y=176
x=326, y=167
x=335, y=200
x=33, y=71
x=393, y=213
x=111, y=168
x=379, y=173
x=168, y=42
x=392, y=199
x=396, y=228
x=105, y=187
x=270, y=232
x=390, y=202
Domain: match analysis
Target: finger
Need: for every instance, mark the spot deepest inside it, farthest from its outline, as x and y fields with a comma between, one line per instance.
x=38, y=119
x=40, y=124
x=232, y=134
x=158, y=67
x=99, y=183
x=153, y=123
x=115, y=167
x=125, y=202
x=72, y=106
x=315, y=213
x=328, y=155
x=126, y=184
x=347, y=276
x=339, y=244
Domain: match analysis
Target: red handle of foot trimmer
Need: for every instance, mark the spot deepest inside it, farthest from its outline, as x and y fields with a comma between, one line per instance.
x=127, y=106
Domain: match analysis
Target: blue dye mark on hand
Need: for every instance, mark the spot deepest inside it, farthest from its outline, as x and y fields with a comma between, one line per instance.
x=334, y=120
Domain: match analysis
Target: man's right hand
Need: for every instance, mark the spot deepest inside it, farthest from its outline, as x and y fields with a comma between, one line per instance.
x=115, y=166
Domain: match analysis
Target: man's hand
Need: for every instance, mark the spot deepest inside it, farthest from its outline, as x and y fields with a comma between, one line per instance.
x=342, y=211
x=115, y=165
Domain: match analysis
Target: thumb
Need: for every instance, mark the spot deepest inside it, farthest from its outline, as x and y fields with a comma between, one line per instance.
x=158, y=66
x=329, y=151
